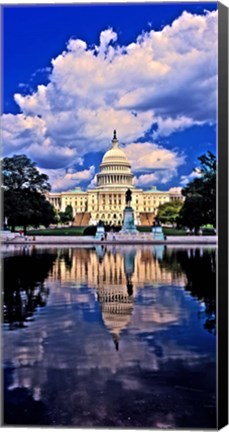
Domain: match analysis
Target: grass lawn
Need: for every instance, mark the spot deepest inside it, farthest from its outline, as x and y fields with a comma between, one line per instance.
x=167, y=231
x=71, y=231
x=174, y=232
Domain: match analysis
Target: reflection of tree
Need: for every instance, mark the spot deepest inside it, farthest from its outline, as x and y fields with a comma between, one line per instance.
x=171, y=262
x=66, y=255
x=20, y=408
x=24, y=290
x=199, y=265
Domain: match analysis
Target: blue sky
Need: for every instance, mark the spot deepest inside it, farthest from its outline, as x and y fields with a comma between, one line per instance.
x=72, y=74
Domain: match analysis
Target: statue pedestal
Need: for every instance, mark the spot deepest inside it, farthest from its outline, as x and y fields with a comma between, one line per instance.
x=100, y=232
x=157, y=233
x=128, y=223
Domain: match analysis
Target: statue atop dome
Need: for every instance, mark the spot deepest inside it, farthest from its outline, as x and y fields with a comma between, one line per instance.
x=115, y=140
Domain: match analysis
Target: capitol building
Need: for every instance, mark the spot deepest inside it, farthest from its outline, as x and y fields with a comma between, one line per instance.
x=107, y=200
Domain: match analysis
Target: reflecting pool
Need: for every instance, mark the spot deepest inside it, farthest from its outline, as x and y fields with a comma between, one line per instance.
x=116, y=336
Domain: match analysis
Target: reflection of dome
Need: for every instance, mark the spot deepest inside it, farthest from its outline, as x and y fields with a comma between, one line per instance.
x=115, y=169
x=117, y=308
x=116, y=316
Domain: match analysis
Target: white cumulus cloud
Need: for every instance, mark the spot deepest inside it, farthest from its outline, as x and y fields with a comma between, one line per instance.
x=65, y=181
x=187, y=178
x=149, y=156
x=155, y=163
x=166, y=78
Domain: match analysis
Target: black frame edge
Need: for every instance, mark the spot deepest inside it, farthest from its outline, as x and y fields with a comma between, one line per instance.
x=222, y=371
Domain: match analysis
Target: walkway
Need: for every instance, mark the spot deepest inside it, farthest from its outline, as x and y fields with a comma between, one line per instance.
x=81, y=240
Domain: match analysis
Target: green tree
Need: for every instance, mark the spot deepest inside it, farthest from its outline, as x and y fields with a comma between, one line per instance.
x=24, y=189
x=169, y=212
x=69, y=212
x=200, y=204
x=67, y=215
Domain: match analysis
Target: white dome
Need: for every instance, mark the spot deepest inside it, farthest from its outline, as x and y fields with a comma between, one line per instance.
x=115, y=169
x=113, y=155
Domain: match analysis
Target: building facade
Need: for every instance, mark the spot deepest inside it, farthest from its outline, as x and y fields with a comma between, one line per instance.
x=107, y=200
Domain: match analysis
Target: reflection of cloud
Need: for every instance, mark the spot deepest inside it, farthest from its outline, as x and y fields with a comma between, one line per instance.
x=68, y=347
x=164, y=312
x=146, y=320
x=159, y=315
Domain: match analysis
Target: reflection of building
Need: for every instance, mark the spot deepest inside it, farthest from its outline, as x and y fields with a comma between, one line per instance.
x=117, y=300
x=115, y=274
x=117, y=308
x=109, y=267
x=106, y=201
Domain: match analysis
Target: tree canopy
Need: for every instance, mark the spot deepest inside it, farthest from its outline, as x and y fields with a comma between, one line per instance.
x=168, y=212
x=200, y=204
x=19, y=173
x=24, y=189
x=67, y=215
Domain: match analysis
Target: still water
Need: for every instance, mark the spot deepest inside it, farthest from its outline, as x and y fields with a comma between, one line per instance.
x=110, y=336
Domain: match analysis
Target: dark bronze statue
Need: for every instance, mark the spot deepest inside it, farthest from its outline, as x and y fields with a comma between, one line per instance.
x=128, y=197
x=157, y=222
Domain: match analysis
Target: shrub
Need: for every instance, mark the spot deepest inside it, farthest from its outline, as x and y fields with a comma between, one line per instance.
x=90, y=230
